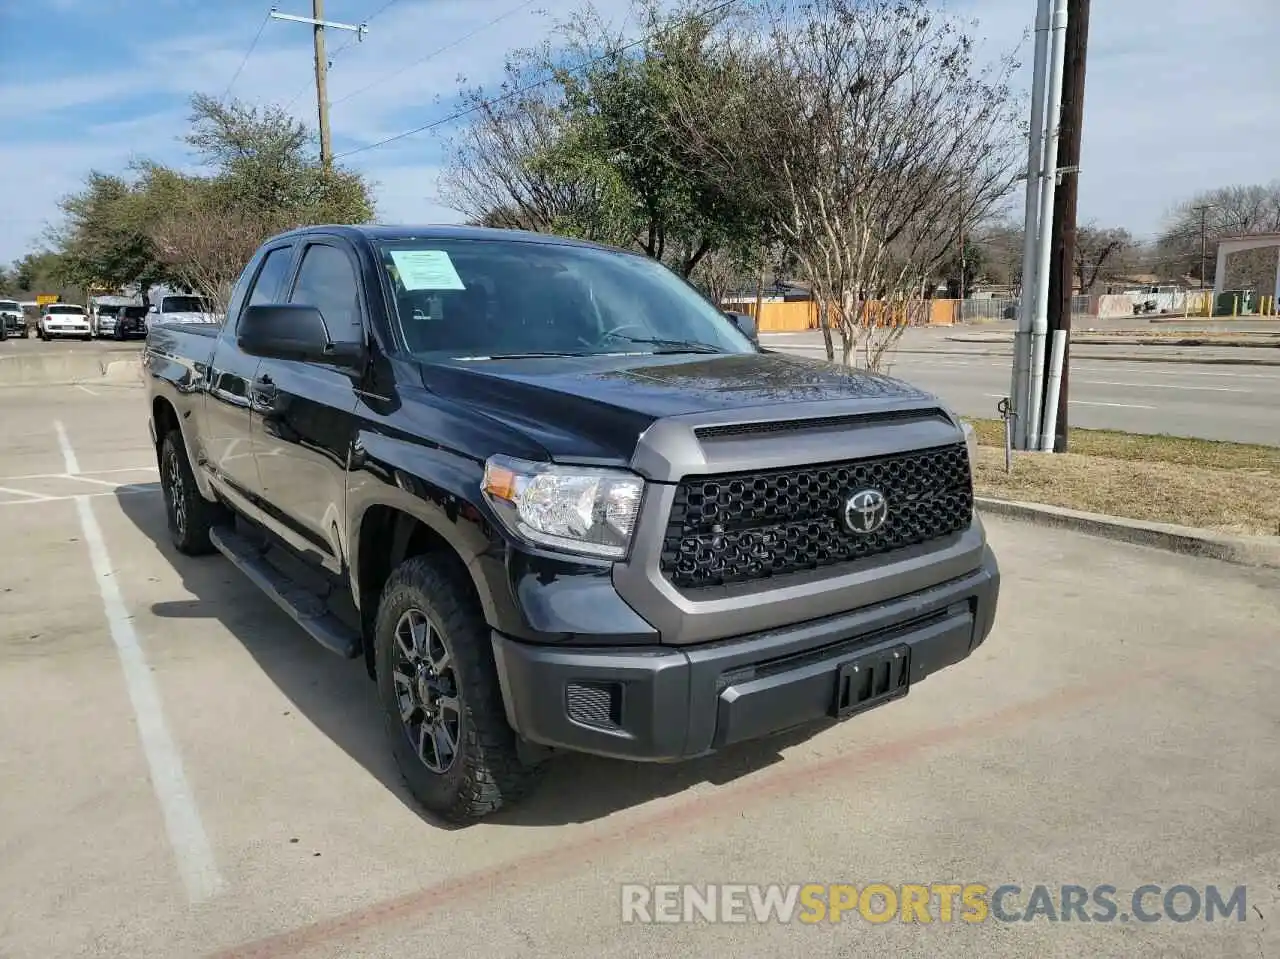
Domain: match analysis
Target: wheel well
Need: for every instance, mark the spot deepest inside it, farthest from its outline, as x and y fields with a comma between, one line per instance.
x=164, y=416
x=388, y=537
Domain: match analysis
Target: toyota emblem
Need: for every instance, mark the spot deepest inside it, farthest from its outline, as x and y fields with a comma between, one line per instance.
x=866, y=511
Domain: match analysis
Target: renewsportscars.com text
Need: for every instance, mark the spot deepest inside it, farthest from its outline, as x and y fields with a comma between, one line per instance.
x=929, y=903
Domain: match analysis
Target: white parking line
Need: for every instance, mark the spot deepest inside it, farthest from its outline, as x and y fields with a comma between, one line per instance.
x=68, y=454
x=130, y=489
x=182, y=821
x=33, y=497
x=86, y=389
x=122, y=469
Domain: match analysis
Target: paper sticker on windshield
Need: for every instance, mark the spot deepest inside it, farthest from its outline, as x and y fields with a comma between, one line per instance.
x=426, y=270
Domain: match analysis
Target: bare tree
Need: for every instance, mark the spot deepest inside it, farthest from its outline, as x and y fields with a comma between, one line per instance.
x=1223, y=212
x=207, y=252
x=871, y=133
x=500, y=170
x=1094, y=249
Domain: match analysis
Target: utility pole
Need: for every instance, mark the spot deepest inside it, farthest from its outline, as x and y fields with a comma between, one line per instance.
x=1204, y=242
x=1062, y=268
x=322, y=82
x=318, y=24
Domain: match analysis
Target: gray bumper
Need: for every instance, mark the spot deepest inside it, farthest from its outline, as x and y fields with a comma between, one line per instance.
x=663, y=704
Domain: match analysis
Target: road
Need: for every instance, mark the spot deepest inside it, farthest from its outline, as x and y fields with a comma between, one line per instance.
x=1208, y=400
x=1211, y=401
x=186, y=774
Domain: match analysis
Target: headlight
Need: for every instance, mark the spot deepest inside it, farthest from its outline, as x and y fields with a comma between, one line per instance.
x=570, y=508
x=971, y=441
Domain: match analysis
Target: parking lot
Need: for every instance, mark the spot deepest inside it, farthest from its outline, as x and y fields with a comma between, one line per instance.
x=186, y=774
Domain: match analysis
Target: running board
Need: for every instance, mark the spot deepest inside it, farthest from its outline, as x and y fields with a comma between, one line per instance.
x=307, y=609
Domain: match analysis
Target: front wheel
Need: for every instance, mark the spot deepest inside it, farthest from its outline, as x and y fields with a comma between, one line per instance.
x=439, y=690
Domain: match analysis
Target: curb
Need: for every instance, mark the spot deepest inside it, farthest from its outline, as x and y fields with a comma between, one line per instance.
x=1270, y=343
x=1256, y=551
x=1189, y=360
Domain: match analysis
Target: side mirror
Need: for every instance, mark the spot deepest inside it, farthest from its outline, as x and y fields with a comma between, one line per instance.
x=292, y=331
x=153, y=308
x=746, y=324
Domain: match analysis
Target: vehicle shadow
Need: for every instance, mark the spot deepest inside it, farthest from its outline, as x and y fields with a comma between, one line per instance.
x=337, y=696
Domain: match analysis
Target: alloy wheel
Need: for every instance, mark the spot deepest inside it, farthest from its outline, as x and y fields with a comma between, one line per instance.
x=426, y=689
x=175, y=494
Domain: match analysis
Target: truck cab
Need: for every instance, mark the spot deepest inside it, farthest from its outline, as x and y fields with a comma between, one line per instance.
x=556, y=501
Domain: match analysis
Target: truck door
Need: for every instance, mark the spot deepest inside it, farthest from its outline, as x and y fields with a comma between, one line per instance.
x=228, y=407
x=307, y=412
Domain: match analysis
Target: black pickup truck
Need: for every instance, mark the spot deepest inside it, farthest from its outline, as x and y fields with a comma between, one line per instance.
x=556, y=500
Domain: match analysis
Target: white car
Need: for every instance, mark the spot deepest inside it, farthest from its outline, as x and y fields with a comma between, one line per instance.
x=182, y=308
x=64, y=319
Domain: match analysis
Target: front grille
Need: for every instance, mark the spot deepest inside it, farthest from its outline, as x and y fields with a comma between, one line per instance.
x=741, y=527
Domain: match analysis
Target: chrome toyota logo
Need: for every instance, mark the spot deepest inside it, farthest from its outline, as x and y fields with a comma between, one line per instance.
x=865, y=511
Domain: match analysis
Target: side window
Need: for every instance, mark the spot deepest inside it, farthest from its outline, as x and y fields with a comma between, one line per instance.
x=266, y=288
x=264, y=285
x=327, y=281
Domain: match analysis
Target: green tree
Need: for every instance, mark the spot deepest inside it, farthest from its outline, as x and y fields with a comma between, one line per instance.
x=258, y=174
x=596, y=154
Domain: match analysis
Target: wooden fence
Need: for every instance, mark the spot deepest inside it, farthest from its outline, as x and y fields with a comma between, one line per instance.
x=798, y=316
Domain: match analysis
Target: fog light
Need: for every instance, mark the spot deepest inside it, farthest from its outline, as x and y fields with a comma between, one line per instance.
x=595, y=704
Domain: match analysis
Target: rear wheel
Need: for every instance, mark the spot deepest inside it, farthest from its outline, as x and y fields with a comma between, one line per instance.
x=439, y=689
x=190, y=515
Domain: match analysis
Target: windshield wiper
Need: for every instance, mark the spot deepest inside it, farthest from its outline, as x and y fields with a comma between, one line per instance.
x=539, y=354
x=674, y=346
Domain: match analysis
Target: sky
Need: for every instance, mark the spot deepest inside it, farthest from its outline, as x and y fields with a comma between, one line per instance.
x=1180, y=93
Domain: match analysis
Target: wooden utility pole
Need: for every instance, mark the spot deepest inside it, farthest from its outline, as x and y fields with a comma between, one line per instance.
x=318, y=24
x=322, y=82
x=1062, y=262
x=1204, y=244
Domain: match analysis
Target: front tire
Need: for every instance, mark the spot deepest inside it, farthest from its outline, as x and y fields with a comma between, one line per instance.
x=438, y=685
x=190, y=516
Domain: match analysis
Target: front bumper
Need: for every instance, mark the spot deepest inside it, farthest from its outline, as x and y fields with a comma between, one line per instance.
x=660, y=703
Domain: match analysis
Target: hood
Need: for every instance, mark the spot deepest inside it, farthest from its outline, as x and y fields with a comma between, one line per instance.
x=597, y=406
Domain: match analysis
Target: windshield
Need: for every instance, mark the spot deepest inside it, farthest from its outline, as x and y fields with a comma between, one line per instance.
x=489, y=298
x=133, y=312
x=10, y=306
x=183, y=304
x=66, y=310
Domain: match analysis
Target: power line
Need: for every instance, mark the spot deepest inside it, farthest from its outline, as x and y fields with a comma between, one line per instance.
x=716, y=8
x=367, y=20
x=333, y=56
x=435, y=53
x=247, y=54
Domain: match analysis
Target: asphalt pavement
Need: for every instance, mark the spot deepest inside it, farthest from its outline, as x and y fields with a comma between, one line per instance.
x=186, y=774
x=1210, y=399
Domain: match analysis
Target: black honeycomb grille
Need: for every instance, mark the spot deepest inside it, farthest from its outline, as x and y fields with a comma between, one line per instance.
x=742, y=527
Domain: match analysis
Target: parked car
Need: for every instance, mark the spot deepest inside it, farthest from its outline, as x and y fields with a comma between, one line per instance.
x=556, y=501
x=181, y=308
x=122, y=322
x=63, y=320
x=13, y=322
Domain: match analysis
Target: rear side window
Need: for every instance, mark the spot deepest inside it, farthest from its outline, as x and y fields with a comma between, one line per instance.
x=327, y=281
x=266, y=288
